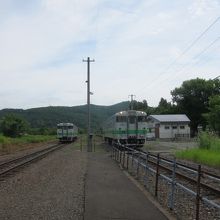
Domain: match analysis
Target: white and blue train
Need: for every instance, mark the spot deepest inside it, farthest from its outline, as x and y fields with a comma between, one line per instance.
x=67, y=132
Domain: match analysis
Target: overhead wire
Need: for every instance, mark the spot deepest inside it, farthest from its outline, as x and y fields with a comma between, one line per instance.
x=187, y=64
x=183, y=53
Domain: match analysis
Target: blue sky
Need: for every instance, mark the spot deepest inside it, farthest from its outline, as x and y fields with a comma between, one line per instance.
x=133, y=43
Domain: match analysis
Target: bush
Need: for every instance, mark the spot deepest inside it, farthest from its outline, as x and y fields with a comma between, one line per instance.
x=209, y=141
x=43, y=131
x=208, y=152
x=13, y=126
x=204, y=140
x=4, y=140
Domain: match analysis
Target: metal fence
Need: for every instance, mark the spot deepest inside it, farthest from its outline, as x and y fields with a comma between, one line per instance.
x=177, y=186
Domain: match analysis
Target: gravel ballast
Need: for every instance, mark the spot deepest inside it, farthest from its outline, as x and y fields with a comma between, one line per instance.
x=51, y=188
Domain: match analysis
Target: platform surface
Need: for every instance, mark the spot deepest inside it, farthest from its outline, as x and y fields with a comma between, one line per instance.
x=109, y=194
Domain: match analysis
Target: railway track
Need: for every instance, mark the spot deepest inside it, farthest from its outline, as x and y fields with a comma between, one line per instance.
x=187, y=175
x=12, y=165
x=210, y=183
x=177, y=185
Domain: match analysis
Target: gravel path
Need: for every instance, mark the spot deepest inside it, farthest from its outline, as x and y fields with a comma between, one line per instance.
x=52, y=188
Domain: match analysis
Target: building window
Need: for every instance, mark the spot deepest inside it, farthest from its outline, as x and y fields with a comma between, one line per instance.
x=182, y=127
x=174, y=127
x=167, y=127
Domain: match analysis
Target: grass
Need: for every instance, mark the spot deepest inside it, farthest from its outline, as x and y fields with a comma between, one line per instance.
x=8, y=144
x=203, y=156
x=208, y=152
x=26, y=139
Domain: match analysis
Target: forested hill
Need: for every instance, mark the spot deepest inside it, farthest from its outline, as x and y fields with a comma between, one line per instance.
x=51, y=116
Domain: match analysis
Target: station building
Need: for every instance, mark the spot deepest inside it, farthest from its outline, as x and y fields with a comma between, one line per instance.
x=175, y=126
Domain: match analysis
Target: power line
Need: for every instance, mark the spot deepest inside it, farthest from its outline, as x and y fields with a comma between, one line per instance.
x=187, y=65
x=196, y=40
x=196, y=56
x=216, y=77
x=187, y=48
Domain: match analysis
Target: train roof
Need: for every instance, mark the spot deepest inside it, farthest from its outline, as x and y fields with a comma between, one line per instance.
x=131, y=112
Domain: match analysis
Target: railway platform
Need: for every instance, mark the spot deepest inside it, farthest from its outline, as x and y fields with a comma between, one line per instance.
x=109, y=194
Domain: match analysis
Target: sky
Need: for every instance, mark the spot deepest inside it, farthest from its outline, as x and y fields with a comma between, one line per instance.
x=139, y=47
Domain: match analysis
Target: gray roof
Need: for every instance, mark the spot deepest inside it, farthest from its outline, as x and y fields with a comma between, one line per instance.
x=170, y=118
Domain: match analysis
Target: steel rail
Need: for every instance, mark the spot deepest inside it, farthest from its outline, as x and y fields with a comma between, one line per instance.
x=208, y=174
x=193, y=181
x=3, y=164
x=27, y=159
x=205, y=186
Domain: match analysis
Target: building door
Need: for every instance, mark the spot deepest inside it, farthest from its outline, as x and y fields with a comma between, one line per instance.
x=157, y=131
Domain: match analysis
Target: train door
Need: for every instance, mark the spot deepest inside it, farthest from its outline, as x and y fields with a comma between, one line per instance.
x=132, y=129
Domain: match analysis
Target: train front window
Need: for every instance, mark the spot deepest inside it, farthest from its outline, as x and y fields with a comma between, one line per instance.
x=132, y=119
x=121, y=119
x=142, y=119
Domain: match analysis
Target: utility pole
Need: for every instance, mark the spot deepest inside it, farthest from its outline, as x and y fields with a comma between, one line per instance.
x=89, y=145
x=132, y=100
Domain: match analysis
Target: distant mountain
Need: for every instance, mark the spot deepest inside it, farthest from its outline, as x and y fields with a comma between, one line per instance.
x=51, y=116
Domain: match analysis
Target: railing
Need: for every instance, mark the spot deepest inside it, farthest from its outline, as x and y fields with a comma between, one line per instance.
x=189, y=192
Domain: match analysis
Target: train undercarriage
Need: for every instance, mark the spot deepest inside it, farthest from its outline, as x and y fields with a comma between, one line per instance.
x=130, y=142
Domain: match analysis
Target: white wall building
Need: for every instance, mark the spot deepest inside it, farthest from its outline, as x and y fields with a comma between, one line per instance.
x=168, y=126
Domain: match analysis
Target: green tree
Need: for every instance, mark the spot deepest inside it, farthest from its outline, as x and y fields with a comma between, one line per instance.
x=214, y=115
x=192, y=98
x=165, y=107
x=141, y=106
x=13, y=126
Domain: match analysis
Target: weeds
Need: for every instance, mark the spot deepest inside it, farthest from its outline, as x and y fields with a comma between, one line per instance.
x=8, y=144
x=208, y=152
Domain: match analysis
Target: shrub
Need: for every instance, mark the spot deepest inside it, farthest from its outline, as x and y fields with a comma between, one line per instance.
x=13, y=126
x=204, y=140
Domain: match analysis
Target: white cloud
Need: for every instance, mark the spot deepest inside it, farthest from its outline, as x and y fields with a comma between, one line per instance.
x=202, y=7
x=133, y=43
